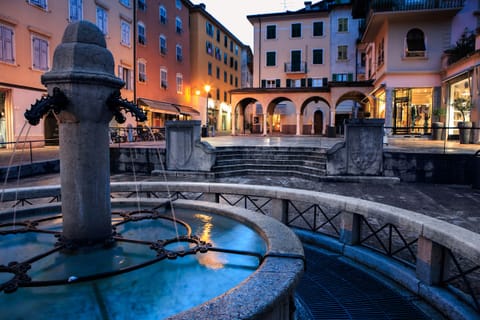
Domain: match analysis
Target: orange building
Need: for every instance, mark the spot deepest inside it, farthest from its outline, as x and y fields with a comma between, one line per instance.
x=216, y=65
x=30, y=31
x=163, y=64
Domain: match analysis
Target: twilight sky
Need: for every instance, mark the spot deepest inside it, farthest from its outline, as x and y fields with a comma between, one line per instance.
x=233, y=13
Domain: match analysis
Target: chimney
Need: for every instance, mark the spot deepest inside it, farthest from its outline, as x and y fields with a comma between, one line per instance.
x=308, y=5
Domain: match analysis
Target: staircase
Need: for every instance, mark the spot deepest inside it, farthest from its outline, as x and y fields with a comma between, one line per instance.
x=302, y=162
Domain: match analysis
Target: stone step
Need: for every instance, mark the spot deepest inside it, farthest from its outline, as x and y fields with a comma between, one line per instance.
x=270, y=167
x=321, y=163
x=274, y=156
x=269, y=172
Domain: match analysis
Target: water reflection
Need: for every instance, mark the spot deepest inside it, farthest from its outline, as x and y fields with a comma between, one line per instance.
x=212, y=260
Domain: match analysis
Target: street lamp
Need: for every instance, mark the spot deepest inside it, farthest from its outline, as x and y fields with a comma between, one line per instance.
x=207, y=90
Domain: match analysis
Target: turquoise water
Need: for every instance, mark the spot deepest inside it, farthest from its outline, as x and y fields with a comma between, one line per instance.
x=154, y=292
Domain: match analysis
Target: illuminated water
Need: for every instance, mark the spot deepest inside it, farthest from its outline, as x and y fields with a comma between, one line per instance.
x=160, y=290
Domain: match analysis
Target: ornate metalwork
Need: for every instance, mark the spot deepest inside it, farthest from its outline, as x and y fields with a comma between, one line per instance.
x=313, y=224
x=19, y=270
x=246, y=201
x=57, y=102
x=116, y=104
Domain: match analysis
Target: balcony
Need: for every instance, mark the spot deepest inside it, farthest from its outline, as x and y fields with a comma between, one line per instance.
x=297, y=67
x=411, y=5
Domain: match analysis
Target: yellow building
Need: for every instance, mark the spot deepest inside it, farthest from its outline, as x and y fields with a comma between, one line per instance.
x=29, y=33
x=216, y=61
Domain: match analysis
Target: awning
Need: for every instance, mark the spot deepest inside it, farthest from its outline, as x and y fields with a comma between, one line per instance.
x=188, y=110
x=162, y=107
x=168, y=108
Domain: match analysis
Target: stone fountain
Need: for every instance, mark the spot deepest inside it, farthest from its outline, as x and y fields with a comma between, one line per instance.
x=84, y=94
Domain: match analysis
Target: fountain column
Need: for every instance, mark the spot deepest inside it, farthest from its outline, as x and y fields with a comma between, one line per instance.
x=83, y=69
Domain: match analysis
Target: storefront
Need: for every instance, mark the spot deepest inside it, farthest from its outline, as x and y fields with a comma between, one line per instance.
x=459, y=92
x=412, y=110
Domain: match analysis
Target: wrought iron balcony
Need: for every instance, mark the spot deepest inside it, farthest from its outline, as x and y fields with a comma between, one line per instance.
x=410, y=5
x=297, y=67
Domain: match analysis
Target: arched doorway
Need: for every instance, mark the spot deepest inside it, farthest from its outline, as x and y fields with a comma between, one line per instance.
x=318, y=122
x=51, y=130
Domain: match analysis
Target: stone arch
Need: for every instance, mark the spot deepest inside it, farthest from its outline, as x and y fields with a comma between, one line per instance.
x=241, y=118
x=350, y=104
x=310, y=117
x=281, y=116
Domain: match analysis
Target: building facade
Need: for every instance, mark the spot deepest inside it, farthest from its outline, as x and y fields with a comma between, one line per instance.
x=406, y=45
x=30, y=32
x=305, y=70
x=163, y=87
x=216, y=68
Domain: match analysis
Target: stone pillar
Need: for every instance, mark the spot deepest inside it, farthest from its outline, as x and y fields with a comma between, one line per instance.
x=279, y=210
x=299, y=123
x=84, y=70
x=350, y=228
x=389, y=109
x=430, y=261
x=234, y=123
x=265, y=115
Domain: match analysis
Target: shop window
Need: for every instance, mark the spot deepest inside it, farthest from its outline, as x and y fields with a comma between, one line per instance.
x=415, y=43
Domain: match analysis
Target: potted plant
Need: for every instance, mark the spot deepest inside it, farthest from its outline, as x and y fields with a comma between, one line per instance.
x=465, y=127
x=438, y=127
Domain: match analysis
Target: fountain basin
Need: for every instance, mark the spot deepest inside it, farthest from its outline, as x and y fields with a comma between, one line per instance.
x=273, y=280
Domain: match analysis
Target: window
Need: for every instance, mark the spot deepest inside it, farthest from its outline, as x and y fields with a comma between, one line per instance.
x=209, y=47
x=126, y=3
x=6, y=44
x=236, y=65
x=141, y=5
x=225, y=58
x=225, y=41
x=218, y=54
x=415, y=43
x=225, y=76
x=102, y=19
x=39, y=3
x=271, y=83
x=142, y=71
x=178, y=4
x=218, y=94
x=231, y=45
x=209, y=29
x=271, y=58
x=236, y=50
x=342, y=24
x=125, y=31
x=380, y=53
x=178, y=50
x=271, y=32
x=178, y=24
x=142, y=38
x=209, y=68
x=236, y=82
x=342, y=53
x=296, y=30
x=162, y=12
x=75, y=10
x=39, y=53
x=225, y=96
x=126, y=75
x=317, y=56
x=231, y=62
x=231, y=79
x=218, y=35
x=163, y=44
x=218, y=73
x=318, y=29
x=342, y=77
x=163, y=78
x=179, y=83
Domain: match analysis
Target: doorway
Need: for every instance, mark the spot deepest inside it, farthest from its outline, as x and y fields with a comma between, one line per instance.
x=318, y=122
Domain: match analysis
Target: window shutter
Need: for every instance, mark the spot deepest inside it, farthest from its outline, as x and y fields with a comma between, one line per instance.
x=325, y=82
x=302, y=82
x=289, y=83
x=310, y=82
x=334, y=77
x=277, y=83
x=264, y=83
x=350, y=77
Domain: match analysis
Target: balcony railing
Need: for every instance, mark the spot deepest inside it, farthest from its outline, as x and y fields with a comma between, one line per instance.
x=410, y=5
x=298, y=67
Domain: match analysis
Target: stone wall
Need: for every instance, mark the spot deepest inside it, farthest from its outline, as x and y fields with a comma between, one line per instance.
x=138, y=160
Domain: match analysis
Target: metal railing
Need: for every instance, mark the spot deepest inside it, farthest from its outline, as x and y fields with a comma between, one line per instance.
x=29, y=145
x=357, y=226
x=135, y=134
x=410, y=5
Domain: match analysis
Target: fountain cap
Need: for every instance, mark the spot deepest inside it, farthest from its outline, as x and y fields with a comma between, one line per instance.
x=84, y=32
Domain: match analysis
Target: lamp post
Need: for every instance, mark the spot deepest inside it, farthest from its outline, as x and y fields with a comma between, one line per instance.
x=207, y=90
